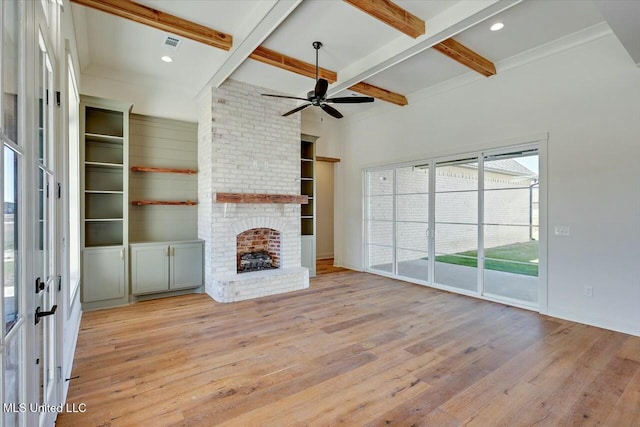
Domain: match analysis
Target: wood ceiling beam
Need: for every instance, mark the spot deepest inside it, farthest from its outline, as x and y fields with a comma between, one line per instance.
x=276, y=59
x=445, y=25
x=161, y=21
x=379, y=93
x=467, y=57
x=392, y=15
x=297, y=66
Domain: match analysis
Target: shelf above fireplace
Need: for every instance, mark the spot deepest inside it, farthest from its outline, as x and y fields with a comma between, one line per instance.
x=294, y=199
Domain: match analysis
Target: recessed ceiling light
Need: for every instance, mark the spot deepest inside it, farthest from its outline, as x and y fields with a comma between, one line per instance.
x=497, y=26
x=167, y=58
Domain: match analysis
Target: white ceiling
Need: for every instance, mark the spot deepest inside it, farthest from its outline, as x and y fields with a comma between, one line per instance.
x=355, y=44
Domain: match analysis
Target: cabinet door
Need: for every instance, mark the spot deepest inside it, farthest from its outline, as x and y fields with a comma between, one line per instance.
x=103, y=274
x=149, y=269
x=308, y=255
x=186, y=265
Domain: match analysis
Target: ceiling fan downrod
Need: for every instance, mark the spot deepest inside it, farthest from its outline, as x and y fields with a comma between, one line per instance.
x=317, y=46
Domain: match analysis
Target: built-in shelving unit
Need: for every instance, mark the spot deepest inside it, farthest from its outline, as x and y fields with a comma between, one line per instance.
x=104, y=176
x=104, y=185
x=308, y=211
x=307, y=185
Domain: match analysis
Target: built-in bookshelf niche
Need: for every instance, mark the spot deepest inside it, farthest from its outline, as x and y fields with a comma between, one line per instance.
x=307, y=187
x=104, y=177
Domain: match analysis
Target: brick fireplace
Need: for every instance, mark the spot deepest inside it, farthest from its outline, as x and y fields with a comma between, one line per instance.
x=246, y=146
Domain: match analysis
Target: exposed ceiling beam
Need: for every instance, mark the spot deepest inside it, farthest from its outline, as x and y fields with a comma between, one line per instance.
x=161, y=20
x=467, y=57
x=443, y=26
x=392, y=15
x=297, y=66
x=266, y=20
x=379, y=93
x=272, y=18
x=271, y=57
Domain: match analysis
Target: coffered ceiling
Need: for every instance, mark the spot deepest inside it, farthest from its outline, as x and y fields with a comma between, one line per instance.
x=356, y=45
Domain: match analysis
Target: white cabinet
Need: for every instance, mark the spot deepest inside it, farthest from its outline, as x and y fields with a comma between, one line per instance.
x=166, y=266
x=103, y=274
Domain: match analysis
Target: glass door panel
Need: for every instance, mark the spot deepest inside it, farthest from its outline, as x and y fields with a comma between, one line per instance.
x=11, y=242
x=511, y=226
x=380, y=220
x=412, y=222
x=456, y=224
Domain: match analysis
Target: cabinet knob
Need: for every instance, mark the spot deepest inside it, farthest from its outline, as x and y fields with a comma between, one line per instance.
x=122, y=254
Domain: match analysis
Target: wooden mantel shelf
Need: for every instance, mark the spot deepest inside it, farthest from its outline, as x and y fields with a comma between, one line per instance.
x=163, y=203
x=261, y=198
x=163, y=170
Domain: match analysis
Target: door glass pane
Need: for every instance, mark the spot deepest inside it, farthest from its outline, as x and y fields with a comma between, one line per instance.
x=379, y=220
x=381, y=258
x=456, y=223
x=10, y=68
x=511, y=226
x=43, y=230
x=12, y=357
x=11, y=242
x=412, y=226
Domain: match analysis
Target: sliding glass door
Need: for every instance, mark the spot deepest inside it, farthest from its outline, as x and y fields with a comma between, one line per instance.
x=456, y=223
x=511, y=225
x=412, y=222
x=469, y=223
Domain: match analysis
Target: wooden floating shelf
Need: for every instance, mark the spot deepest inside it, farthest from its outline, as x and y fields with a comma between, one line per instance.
x=261, y=198
x=162, y=170
x=163, y=203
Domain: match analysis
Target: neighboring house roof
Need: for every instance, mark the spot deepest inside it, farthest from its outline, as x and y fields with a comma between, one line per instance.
x=510, y=166
x=505, y=166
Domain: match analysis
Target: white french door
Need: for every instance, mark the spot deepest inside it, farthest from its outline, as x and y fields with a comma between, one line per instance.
x=13, y=290
x=46, y=275
x=467, y=223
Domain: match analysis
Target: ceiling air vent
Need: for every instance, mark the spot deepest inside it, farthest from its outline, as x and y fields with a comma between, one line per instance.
x=171, y=42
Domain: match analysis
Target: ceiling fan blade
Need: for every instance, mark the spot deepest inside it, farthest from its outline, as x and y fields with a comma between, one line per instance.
x=295, y=110
x=283, y=96
x=331, y=111
x=321, y=88
x=350, y=99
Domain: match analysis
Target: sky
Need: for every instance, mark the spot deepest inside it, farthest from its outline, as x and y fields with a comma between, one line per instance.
x=530, y=162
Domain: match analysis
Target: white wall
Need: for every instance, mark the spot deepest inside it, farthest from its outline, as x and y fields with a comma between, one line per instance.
x=172, y=102
x=588, y=100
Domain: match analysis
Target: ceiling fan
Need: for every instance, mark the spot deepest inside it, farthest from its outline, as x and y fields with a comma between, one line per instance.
x=318, y=96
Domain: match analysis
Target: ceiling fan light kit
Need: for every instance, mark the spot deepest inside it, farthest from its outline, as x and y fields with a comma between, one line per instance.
x=318, y=96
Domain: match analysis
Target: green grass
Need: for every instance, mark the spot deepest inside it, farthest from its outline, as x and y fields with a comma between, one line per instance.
x=499, y=258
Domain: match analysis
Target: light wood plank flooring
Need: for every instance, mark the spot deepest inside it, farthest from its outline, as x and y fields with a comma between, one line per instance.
x=354, y=349
x=324, y=266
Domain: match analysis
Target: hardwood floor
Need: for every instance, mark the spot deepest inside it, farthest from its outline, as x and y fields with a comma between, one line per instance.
x=324, y=266
x=353, y=349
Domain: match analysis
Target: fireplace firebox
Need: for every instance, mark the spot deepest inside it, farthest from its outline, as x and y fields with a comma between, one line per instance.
x=258, y=249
